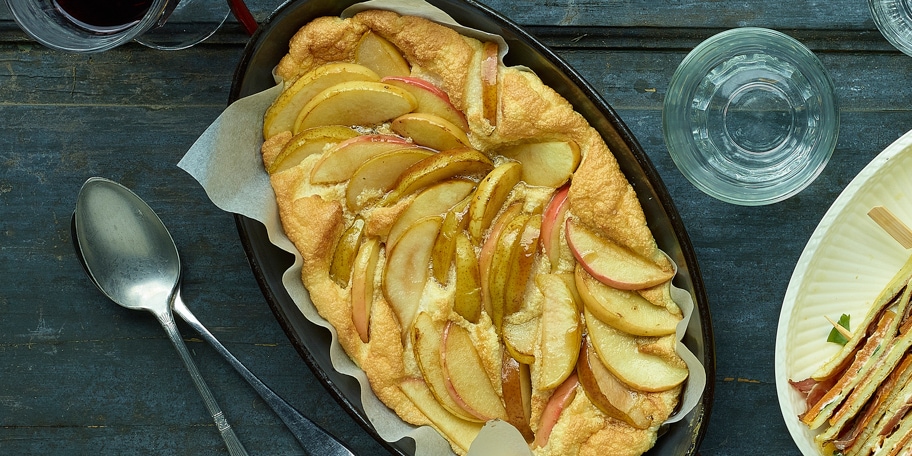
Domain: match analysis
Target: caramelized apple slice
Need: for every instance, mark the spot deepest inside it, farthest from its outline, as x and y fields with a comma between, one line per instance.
x=406, y=270
x=561, y=332
x=468, y=280
x=560, y=399
x=607, y=393
x=344, y=255
x=624, y=310
x=525, y=252
x=458, y=431
x=546, y=164
x=440, y=166
x=518, y=333
x=516, y=384
x=621, y=354
x=283, y=112
x=610, y=263
x=340, y=162
x=430, y=131
x=490, y=197
x=486, y=255
x=435, y=200
x=378, y=175
x=467, y=381
x=306, y=143
x=501, y=265
x=363, y=272
x=355, y=103
x=427, y=342
x=553, y=225
x=431, y=99
x=490, y=71
x=445, y=248
x=381, y=56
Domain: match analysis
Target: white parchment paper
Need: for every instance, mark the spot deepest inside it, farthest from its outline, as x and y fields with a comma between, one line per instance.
x=226, y=161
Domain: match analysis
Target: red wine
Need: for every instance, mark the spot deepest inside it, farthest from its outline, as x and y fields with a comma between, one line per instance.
x=103, y=16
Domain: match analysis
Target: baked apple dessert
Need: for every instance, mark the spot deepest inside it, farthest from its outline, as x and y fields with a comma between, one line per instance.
x=471, y=239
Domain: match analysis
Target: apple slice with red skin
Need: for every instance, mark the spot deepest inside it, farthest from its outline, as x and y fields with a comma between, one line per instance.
x=362, y=289
x=431, y=99
x=458, y=431
x=467, y=381
x=427, y=340
x=624, y=310
x=609, y=394
x=610, y=263
x=560, y=399
x=516, y=385
x=621, y=354
x=306, y=143
x=553, y=225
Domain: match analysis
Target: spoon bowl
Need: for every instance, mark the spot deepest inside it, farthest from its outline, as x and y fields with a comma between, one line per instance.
x=130, y=256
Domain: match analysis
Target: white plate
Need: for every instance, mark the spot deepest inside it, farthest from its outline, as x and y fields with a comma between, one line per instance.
x=846, y=263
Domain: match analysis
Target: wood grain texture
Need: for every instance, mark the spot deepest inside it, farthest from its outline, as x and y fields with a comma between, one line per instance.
x=79, y=375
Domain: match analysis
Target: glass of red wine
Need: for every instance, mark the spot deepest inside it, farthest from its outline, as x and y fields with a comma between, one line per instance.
x=99, y=25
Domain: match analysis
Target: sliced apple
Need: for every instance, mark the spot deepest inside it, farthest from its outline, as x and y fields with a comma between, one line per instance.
x=610, y=263
x=516, y=385
x=431, y=99
x=440, y=166
x=501, y=265
x=518, y=335
x=468, y=300
x=624, y=310
x=553, y=225
x=406, y=270
x=340, y=162
x=490, y=196
x=490, y=71
x=609, y=394
x=560, y=399
x=486, y=255
x=378, y=175
x=306, y=143
x=362, y=290
x=434, y=200
x=445, y=248
x=355, y=103
x=283, y=112
x=430, y=130
x=427, y=342
x=381, y=56
x=458, y=431
x=467, y=380
x=561, y=332
x=525, y=251
x=620, y=353
x=344, y=254
x=546, y=164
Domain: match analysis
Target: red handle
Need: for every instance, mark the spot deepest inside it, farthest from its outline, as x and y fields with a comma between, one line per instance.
x=242, y=13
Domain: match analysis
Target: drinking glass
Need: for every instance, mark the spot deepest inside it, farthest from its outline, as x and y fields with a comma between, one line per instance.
x=894, y=20
x=166, y=24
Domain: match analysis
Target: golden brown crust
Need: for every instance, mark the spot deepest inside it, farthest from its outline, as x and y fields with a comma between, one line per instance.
x=600, y=196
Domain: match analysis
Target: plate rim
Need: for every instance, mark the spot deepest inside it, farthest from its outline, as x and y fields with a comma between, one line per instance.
x=879, y=164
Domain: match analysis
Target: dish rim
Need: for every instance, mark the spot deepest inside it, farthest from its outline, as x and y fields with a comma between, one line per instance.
x=658, y=202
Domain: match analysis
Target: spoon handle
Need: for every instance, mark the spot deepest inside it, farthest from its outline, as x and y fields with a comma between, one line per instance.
x=235, y=448
x=312, y=437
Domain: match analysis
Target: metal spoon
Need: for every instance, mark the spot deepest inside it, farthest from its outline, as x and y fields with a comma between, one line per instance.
x=102, y=201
